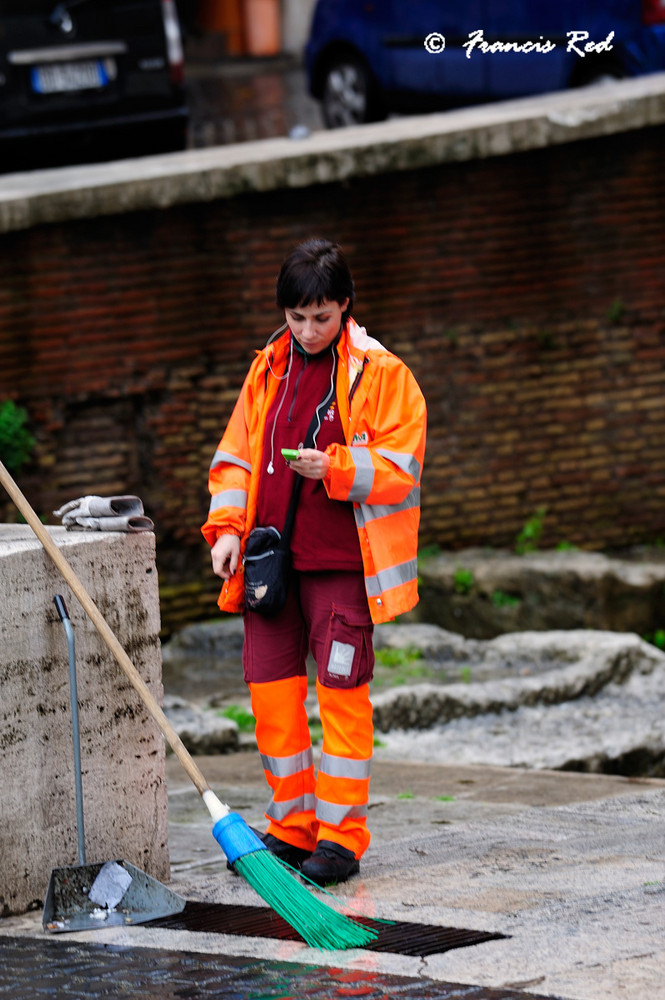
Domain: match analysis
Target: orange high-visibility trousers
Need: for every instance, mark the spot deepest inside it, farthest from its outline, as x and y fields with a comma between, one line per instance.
x=342, y=782
x=284, y=742
x=328, y=614
x=304, y=810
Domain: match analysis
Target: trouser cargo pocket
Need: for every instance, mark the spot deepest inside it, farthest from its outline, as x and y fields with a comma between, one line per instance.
x=348, y=653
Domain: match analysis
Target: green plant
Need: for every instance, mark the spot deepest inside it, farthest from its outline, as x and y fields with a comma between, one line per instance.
x=465, y=675
x=616, y=311
x=400, y=657
x=244, y=720
x=546, y=340
x=529, y=537
x=405, y=795
x=444, y=798
x=566, y=547
x=462, y=580
x=429, y=552
x=410, y=673
x=16, y=441
x=399, y=666
x=501, y=600
x=656, y=638
x=316, y=733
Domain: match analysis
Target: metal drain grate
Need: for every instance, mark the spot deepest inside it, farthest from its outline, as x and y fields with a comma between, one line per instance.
x=399, y=937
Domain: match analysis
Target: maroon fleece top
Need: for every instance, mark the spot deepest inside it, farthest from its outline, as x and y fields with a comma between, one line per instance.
x=324, y=534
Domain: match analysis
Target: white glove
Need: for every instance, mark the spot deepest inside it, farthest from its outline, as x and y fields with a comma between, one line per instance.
x=93, y=513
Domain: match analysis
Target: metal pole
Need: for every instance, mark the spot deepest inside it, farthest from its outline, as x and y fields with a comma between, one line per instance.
x=61, y=608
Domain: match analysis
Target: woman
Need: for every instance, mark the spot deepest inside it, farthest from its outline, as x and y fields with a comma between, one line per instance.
x=353, y=547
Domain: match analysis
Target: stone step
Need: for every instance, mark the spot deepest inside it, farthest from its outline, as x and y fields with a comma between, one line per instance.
x=483, y=593
x=583, y=699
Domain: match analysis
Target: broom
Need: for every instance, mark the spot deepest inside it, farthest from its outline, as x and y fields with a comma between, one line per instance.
x=317, y=923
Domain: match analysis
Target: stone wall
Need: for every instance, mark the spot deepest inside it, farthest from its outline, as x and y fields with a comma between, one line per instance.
x=122, y=751
x=511, y=254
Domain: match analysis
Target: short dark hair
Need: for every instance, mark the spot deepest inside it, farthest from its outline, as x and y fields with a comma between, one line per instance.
x=315, y=270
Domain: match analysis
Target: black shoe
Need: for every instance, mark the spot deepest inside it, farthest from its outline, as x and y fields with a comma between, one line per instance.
x=330, y=863
x=293, y=856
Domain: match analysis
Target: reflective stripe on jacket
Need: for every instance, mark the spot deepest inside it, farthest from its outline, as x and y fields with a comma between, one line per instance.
x=378, y=469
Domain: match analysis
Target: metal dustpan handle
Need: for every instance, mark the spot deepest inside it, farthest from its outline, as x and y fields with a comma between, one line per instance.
x=61, y=608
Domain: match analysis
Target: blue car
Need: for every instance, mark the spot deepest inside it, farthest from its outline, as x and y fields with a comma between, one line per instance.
x=367, y=59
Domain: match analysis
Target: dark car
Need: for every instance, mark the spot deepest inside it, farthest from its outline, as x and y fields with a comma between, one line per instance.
x=366, y=59
x=83, y=80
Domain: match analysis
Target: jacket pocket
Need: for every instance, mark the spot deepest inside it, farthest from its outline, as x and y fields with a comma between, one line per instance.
x=348, y=654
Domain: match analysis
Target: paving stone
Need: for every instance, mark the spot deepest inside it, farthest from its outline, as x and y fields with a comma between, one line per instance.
x=71, y=971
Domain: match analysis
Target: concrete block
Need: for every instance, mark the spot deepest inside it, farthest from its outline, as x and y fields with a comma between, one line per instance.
x=122, y=750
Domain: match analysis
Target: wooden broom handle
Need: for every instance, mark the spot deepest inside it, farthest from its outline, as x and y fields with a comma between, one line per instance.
x=105, y=631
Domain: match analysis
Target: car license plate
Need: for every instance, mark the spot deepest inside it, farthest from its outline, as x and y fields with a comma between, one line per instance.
x=57, y=78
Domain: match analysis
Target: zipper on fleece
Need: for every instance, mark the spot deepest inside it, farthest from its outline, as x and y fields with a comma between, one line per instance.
x=295, y=390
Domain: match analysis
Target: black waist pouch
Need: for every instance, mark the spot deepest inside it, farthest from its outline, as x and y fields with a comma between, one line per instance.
x=267, y=563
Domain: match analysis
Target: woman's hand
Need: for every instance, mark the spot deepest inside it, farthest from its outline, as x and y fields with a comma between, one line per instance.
x=225, y=555
x=311, y=464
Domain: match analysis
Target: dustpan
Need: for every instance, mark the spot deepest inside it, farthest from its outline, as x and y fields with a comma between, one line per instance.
x=107, y=893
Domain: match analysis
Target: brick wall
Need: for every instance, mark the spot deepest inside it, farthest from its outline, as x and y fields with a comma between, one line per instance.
x=524, y=291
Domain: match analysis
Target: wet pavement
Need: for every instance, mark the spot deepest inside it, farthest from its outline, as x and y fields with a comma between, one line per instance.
x=563, y=873
x=242, y=99
x=74, y=971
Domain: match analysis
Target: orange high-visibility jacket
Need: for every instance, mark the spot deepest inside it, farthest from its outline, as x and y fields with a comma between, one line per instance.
x=378, y=469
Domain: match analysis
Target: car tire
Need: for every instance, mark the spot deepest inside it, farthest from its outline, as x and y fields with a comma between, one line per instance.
x=349, y=95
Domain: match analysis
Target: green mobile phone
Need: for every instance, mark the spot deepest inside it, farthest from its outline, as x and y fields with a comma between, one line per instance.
x=291, y=454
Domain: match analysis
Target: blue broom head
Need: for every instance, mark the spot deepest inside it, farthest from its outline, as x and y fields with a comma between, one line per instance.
x=236, y=838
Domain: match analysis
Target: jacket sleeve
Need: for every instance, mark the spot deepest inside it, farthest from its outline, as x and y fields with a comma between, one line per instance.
x=386, y=463
x=230, y=472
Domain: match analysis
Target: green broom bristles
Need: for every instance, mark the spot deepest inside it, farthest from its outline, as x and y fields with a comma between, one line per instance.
x=320, y=925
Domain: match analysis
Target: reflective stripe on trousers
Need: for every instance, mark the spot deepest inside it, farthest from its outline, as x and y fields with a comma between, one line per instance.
x=282, y=736
x=342, y=784
x=334, y=805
